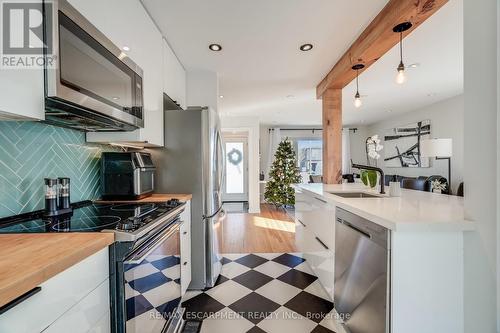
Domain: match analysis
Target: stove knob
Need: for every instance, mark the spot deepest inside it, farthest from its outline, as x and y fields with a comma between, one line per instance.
x=135, y=220
x=173, y=202
x=126, y=225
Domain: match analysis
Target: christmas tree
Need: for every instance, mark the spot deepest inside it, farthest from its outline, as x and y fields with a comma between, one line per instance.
x=283, y=174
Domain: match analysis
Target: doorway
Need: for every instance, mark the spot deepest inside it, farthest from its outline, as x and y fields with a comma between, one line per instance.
x=235, y=194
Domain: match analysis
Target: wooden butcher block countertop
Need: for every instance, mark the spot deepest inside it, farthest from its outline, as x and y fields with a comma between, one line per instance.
x=156, y=197
x=27, y=260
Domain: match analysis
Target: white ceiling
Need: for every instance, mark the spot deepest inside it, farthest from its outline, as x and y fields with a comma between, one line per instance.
x=437, y=45
x=260, y=64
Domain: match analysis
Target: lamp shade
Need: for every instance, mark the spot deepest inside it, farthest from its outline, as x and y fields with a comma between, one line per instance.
x=436, y=148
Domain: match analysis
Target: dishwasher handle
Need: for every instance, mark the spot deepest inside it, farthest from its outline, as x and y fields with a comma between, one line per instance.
x=353, y=227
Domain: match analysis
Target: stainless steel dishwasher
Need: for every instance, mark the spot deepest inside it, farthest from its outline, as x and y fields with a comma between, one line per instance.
x=362, y=274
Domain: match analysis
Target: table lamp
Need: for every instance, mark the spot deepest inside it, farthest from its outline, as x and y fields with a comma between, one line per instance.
x=441, y=149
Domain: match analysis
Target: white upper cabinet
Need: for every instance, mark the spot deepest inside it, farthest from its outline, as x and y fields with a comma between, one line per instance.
x=174, y=76
x=127, y=24
x=21, y=94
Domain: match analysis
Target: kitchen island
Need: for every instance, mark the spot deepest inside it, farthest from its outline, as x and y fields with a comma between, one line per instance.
x=424, y=245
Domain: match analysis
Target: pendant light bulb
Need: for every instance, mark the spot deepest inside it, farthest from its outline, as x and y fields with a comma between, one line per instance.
x=400, y=28
x=401, y=77
x=357, y=100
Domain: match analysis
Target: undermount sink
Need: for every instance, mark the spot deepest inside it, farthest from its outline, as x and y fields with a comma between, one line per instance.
x=354, y=195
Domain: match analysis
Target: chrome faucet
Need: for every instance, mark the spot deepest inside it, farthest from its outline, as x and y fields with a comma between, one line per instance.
x=379, y=170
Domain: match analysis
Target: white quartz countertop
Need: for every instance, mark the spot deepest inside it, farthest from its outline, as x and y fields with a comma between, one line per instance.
x=413, y=211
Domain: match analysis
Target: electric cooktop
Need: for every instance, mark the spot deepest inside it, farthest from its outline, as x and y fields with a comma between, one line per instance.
x=129, y=219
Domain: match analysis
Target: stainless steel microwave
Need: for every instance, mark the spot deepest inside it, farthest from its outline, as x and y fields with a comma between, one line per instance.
x=92, y=85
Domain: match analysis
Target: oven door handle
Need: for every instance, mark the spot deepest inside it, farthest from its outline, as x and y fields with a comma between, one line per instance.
x=145, y=250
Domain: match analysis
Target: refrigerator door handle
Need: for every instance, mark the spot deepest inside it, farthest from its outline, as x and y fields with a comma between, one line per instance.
x=205, y=217
x=222, y=170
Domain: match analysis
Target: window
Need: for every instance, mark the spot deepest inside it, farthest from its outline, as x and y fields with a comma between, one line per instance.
x=309, y=157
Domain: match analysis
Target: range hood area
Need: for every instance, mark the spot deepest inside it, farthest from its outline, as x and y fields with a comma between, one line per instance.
x=94, y=87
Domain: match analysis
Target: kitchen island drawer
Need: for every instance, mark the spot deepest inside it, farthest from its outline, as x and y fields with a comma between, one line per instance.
x=57, y=295
x=320, y=219
x=86, y=314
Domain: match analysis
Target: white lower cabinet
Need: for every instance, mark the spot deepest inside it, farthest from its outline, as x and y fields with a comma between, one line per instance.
x=103, y=325
x=317, y=255
x=186, y=248
x=315, y=237
x=86, y=314
x=323, y=265
x=73, y=300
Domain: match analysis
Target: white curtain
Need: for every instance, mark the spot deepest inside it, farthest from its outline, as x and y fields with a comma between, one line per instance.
x=346, y=151
x=274, y=140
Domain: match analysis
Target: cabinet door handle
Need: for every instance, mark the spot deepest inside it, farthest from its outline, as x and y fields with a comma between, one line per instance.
x=19, y=300
x=185, y=263
x=323, y=201
x=322, y=244
x=185, y=233
x=301, y=222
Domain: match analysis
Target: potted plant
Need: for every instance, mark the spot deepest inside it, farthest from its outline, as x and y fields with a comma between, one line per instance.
x=437, y=186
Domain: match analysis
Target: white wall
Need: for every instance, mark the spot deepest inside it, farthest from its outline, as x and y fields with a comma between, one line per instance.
x=446, y=122
x=202, y=89
x=358, y=147
x=480, y=166
x=250, y=124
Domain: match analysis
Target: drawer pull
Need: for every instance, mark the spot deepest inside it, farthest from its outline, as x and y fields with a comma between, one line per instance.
x=301, y=222
x=185, y=263
x=322, y=244
x=185, y=233
x=19, y=300
x=323, y=201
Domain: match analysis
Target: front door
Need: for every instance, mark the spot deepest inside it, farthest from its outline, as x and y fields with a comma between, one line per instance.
x=236, y=179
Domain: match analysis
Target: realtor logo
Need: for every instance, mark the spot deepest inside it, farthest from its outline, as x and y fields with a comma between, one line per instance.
x=23, y=42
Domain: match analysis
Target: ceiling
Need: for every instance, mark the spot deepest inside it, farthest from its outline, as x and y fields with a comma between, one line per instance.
x=263, y=73
x=260, y=64
x=437, y=45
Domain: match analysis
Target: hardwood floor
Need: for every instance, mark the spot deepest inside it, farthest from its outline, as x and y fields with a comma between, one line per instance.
x=270, y=231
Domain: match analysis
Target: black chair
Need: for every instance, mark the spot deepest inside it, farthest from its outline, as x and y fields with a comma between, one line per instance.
x=414, y=184
x=442, y=180
x=400, y=179
x=349, y=177
x=389, y=178
x=460, y=191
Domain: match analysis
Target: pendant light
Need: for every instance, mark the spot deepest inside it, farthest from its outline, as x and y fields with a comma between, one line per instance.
x=400, y=28
x=357, y=98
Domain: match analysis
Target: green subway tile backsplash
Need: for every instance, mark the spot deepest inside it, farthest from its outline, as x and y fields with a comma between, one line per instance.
x=32, y=151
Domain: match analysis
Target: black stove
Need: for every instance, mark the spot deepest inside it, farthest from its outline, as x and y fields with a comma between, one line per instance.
x=128, y=221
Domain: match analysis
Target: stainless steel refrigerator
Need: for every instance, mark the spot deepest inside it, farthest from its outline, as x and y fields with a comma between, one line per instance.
x=192, y=161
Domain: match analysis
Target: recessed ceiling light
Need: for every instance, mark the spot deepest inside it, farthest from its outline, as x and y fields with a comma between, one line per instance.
x=306, y=47
x=415, y=65
x=115, y=98
x=126, y=48
x=221, y=96
x=215, y=47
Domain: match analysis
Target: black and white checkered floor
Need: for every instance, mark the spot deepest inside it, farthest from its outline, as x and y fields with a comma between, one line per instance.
x=264, y=292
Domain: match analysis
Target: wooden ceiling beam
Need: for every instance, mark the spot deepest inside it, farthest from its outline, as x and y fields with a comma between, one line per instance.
x=377, y=39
